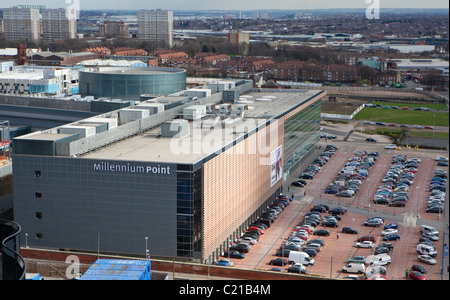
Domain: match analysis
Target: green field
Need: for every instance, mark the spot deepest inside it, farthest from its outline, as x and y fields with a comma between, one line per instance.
x=397, y=133
x=409, y=117
x=414, y=105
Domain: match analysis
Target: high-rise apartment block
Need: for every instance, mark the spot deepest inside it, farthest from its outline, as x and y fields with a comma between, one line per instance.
x=238, y=37
x=57, y=26
x=21, y=24
x=113, y=29
x=156, y=28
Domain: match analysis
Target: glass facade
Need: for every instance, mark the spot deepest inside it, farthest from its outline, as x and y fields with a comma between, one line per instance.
x=189, y=198
x=301, y=134
x=128, y=85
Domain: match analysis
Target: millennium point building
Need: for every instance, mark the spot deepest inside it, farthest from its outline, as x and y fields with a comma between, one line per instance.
x=131, y=83
x=187, y=180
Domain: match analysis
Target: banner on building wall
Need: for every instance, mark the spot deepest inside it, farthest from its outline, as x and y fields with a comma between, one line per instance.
x=276, y=165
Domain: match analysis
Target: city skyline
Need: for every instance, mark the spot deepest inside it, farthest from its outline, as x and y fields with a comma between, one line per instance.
x=229, y=5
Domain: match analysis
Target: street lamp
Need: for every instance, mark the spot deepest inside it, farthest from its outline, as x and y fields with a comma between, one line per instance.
x=26, y=240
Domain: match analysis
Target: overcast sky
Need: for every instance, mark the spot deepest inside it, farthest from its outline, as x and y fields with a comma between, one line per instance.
x=229, y=4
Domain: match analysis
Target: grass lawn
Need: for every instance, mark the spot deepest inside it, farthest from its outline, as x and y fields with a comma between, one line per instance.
x=414, y=105
x=396, y=133
x=411, y=117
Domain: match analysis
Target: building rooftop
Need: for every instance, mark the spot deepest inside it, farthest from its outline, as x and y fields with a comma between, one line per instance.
x=134, y=70
x=210, y=135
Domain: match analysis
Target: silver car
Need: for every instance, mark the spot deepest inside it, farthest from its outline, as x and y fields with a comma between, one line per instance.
x=427, y=259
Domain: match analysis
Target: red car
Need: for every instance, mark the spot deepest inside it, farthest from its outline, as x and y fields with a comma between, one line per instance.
x=417, y=275
x=405, y=108
x=257, y=229
x=367, y=238
x=428, y=127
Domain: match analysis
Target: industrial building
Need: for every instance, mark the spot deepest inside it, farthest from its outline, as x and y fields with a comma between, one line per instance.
x=128, y=83
x=188, y=179
x=38, y=81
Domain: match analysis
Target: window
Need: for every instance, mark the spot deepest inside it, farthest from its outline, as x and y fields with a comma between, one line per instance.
x=38, y=195
x=37, y=173
x=39, y=215
x=39, y=236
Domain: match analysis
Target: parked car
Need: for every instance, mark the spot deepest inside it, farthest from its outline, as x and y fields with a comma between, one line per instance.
x=372, y=223
x=279, y=262
x=241, y=247
x=337, y=211
x=283, y=253
x=322, y=232
x=416, y=275
x=349, y=230
x=365, y=244
x=330, y=223
x=419, y=268
x=306, y=176
x=371, y=140
x=426, y=259
x=390, y=146
x=247, y=240
x=389, y=231
x=297, y=268
x=368, y=238
x=233, y=254
x=391, y=237
x=391, y=225
x=223, y=262
x=319, y=208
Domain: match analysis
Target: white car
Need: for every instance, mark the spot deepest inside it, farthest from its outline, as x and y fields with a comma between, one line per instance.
x=247, y=240
x=431, y=236
x=427, y=259
x=365, y=244
x=389, y=231
x=390, y=146
x=442, y=158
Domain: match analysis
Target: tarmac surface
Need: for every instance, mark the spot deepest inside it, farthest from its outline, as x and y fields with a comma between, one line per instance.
x=330, y=260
